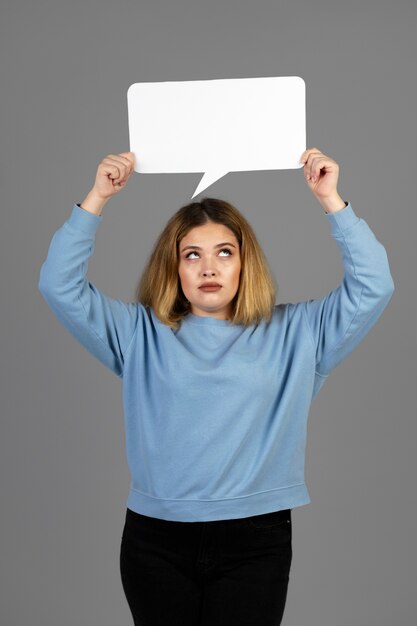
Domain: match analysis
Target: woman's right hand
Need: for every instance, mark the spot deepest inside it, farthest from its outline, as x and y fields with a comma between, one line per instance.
x=112, y=174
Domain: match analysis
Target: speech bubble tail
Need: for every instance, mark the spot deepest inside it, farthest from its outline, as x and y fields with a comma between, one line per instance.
x=208, y=179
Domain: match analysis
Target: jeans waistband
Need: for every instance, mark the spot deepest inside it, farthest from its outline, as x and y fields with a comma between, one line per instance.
x=136, y=517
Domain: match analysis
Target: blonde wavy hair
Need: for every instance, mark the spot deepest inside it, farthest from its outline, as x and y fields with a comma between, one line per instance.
x=159, y=287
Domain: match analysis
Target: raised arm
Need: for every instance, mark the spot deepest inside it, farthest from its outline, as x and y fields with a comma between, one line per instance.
x=103, y=325
x=340, y=320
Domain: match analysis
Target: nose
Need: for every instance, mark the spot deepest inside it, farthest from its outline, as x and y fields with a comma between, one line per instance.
x=207, y=268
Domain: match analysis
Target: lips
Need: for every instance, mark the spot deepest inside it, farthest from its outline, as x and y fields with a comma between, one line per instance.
x=210, y=287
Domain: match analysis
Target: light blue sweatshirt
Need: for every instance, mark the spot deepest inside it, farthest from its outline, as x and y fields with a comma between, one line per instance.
x=215, y=414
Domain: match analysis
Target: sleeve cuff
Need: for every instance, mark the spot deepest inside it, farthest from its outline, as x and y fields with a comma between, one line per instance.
x=342, y=220
x=84, y=220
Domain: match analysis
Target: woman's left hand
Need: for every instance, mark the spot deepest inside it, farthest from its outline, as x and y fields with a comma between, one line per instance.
x=321, y=173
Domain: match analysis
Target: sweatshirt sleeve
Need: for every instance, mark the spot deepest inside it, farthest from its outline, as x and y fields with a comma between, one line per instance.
x=340, y=320
x=103, y=325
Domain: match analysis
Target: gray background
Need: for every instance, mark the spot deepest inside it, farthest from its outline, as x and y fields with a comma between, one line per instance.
x=65, y=70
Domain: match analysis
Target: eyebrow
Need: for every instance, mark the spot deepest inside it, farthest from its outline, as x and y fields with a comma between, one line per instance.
x=219, y=245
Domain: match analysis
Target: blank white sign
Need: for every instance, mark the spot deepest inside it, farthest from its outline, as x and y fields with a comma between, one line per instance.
x=217, y=126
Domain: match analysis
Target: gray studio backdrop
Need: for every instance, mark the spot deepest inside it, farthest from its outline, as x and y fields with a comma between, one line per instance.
x=65, y=71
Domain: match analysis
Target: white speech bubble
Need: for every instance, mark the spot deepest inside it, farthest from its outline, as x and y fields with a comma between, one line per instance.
x=217, y=126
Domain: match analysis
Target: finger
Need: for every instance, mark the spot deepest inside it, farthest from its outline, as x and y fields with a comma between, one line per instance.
x=311, y=156
x=306, y=153
x=116, y=173
x=123, y=164
x=111, y=168
x=121, y=159
x=128, y=157
x=129, y=161
x=309, y=161
x=316, y=164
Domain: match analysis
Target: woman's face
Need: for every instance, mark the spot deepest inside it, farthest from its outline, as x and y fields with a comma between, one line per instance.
x=210, y=253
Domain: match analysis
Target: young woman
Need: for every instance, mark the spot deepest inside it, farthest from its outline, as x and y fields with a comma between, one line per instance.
x=217, y=386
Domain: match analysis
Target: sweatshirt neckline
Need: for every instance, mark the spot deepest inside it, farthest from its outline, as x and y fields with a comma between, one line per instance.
x=206, y=320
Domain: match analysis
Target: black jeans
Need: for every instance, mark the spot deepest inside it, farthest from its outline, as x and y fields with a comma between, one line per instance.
x=231, y=572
